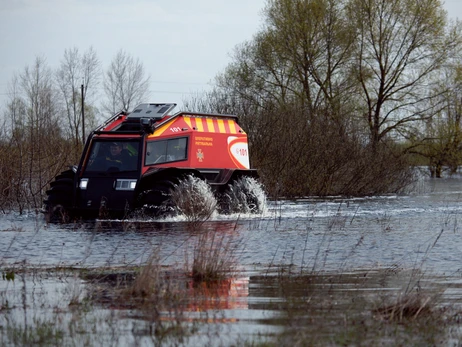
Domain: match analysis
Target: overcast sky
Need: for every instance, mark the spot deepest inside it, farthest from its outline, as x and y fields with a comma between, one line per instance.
x=182, y=44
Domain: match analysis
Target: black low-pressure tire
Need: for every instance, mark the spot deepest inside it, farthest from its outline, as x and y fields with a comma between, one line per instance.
x=68, y=174
x=58, y=204
x=239, y=198
x=156, y=201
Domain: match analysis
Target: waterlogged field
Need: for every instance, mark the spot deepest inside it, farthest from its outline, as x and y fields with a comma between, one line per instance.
x=374, y=271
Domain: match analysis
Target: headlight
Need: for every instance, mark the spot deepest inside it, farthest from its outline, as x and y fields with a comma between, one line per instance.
x=83, y=183
x=125, y=184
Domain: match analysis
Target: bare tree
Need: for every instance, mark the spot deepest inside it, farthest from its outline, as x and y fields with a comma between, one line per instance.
x=296, y=89
x=13, y=136
x=125, y=83
x=401, y=46
x=77, y=70
x=33, y=141
x=440, y=143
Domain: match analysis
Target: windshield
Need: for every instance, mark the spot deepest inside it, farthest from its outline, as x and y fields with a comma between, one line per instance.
x=113, y=156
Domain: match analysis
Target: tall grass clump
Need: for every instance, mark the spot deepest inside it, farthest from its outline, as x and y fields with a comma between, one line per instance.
x=413, y=302
x=41, y=332
x=148, y=281
x=214, y=256
x=408, y=306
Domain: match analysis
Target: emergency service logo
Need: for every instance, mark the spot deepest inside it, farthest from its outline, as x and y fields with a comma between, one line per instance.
x=200, y=155
x=238, y=149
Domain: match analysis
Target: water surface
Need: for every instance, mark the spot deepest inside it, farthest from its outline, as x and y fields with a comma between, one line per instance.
x=308, y=263
x=321, y=234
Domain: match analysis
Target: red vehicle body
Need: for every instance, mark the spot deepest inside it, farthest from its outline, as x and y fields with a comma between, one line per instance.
x=158, y=150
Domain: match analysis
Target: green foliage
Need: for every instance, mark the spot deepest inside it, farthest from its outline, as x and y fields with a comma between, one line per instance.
x=440, y=143
x=8, y=275
x=329, y=90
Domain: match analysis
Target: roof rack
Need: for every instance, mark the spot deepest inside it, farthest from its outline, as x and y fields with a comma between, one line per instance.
x=152, y=111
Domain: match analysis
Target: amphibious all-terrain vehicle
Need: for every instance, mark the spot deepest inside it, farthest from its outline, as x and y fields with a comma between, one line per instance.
x=135, y=159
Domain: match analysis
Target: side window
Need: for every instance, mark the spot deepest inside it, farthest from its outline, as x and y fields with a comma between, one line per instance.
x=156, y=152
x=176, y=149
x=163, y=151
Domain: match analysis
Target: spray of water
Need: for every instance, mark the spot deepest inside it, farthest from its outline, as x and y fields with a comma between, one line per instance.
x=245, y=195
x=193, y=198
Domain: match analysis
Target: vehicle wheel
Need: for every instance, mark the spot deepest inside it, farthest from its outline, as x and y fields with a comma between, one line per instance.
x=193, y=198
x=59, y=201
x=69, y=174
x=156, y=202
x=244, y=195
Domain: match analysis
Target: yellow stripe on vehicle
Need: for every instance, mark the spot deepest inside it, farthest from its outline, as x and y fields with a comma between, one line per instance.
x=232, y=126
x=161, y=130
x=188, y=121
x=221, y=126
x=199, y=125
x=206, y=124
x=210, y=125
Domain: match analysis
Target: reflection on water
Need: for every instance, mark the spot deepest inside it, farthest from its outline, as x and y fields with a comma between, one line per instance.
x=303, y=309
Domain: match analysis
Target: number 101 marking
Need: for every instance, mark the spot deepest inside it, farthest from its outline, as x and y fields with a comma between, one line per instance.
x=241, y=151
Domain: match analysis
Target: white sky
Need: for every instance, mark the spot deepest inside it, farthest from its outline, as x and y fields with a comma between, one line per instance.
x=183, y=44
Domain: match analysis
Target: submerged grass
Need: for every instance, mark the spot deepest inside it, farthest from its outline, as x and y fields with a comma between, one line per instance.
x=355, y=309
x=408, y=307
x=41, y=332
x=157, y=305
x=335, y=308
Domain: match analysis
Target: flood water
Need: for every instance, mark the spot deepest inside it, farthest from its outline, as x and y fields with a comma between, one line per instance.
x=400, y=233
x=321, y=234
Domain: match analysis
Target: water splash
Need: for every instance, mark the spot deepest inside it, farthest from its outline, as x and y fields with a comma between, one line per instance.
x=193, y=198
x=245, y=195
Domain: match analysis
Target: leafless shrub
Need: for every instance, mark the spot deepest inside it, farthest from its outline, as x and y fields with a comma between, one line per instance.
x=34, y=149
x=318, y=158
x=300, y=152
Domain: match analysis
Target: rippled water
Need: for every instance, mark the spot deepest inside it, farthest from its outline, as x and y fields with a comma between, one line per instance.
x=320, y=234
